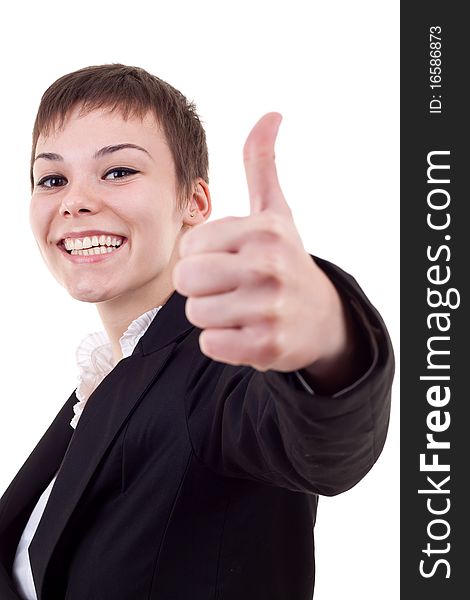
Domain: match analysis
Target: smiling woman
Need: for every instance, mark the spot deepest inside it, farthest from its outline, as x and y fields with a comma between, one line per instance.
x=104, y=175
x=237, y=379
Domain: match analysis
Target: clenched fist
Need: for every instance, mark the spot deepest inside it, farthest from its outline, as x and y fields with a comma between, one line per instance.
x=251, y=286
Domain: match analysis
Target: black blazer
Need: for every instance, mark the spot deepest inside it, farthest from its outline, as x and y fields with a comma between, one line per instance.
x=190, y=479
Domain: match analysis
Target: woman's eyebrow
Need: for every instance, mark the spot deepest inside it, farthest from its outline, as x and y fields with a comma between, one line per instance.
x=116, y=147
x=99, y=154
x=48, y=156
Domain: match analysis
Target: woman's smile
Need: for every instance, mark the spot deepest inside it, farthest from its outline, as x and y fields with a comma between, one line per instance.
x=93, y=254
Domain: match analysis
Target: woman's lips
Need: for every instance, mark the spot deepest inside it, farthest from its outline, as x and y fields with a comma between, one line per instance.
x=90, y=258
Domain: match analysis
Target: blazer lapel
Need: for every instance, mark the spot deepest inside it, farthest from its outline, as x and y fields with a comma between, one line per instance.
x=20, y=497
x=106, y=411
x=37, y=471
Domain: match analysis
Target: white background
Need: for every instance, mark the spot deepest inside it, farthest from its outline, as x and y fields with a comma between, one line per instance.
x=331, y=69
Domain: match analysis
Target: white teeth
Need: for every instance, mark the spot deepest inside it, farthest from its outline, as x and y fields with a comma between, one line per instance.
x=98, y=250
x=93, y=241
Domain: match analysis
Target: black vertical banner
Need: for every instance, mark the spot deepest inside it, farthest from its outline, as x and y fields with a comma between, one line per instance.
x=435, y=274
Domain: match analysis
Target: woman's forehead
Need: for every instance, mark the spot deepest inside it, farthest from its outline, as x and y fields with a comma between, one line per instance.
x=102, y=125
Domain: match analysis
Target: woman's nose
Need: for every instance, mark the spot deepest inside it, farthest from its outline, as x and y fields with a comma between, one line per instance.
x=79, y=200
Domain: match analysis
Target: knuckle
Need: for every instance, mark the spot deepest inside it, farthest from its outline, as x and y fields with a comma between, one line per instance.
x=273, y=225
x=269, y=347
x=273, y=312
x=274, y=347
x=266, y=266
x=274, y=267
x=271, y=306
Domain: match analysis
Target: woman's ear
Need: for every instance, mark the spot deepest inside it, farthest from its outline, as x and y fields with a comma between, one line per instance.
x=199, y=206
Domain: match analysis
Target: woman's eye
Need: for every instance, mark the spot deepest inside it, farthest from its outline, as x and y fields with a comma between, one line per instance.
x=51, y=181
x=119, y=173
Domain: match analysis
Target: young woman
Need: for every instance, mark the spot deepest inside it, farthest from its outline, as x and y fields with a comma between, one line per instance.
x=237, y=377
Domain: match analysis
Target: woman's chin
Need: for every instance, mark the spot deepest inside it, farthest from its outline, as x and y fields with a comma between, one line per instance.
x=89, y=295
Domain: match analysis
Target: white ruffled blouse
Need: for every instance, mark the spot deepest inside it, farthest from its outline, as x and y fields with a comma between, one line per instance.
x=95, y=360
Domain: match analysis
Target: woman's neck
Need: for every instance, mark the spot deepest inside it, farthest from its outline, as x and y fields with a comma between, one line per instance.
x=117, y=314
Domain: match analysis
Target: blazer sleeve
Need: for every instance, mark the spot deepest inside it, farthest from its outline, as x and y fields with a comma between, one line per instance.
x=270, y=427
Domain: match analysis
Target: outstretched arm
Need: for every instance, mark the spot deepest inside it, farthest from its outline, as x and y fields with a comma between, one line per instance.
x=255, y=292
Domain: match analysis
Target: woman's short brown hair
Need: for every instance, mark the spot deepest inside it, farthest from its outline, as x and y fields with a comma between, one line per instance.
x=133, y=92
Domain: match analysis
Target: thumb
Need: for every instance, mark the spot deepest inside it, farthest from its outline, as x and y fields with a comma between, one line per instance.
x=260, y=167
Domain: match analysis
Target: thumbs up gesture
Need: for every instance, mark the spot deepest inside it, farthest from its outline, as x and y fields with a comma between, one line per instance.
x=251, y=287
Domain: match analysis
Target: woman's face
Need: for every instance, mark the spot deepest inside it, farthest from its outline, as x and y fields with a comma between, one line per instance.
x=87, y=185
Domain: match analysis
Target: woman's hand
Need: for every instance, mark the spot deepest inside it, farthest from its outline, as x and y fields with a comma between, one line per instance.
x=251, y=286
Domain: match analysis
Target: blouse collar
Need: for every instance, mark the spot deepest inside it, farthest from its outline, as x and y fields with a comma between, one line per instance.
x=95, y=358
